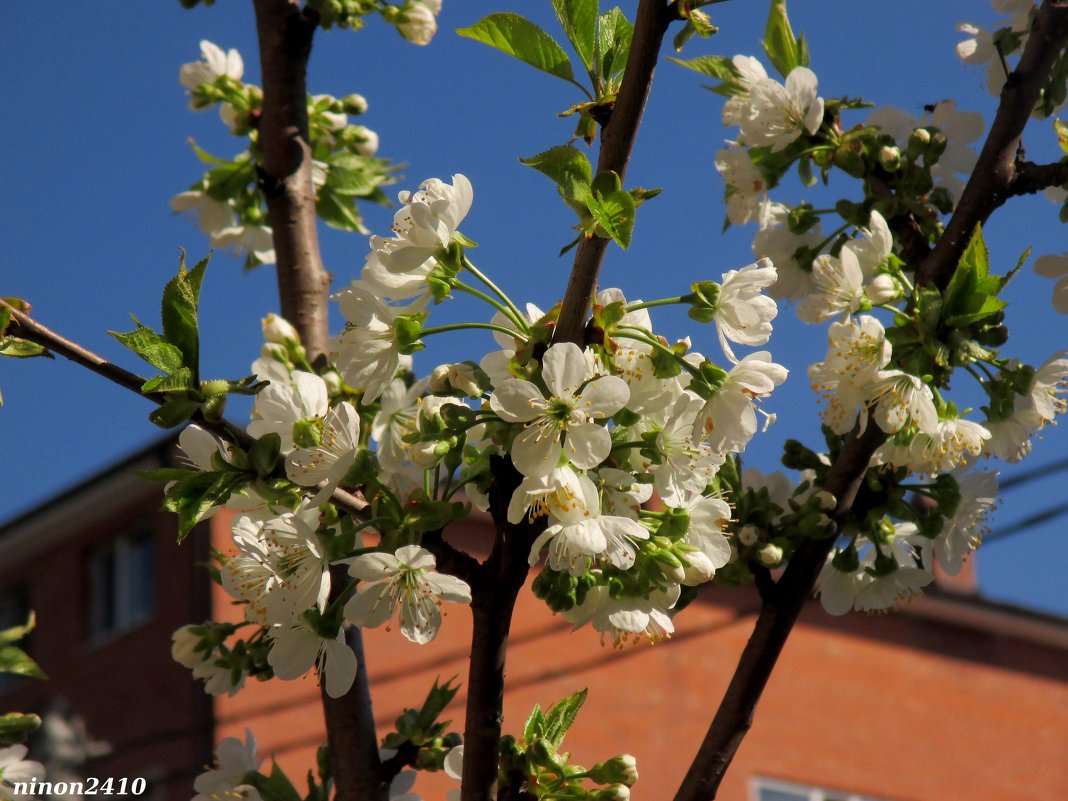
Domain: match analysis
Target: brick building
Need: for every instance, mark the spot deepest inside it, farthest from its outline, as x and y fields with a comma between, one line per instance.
x=954, y=698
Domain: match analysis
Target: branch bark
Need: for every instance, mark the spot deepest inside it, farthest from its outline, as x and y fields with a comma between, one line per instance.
x=617, y=142
x=997, y=174
x=285, y=33
x=285, y=39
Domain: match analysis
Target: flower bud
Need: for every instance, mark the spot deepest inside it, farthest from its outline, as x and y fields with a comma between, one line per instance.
x=367, y=141
x=183, y=647
x=332, y=381
x=277, y=329
x=439, y=378
x=890, y=157
x=825, y=500
x=748, y=535
x=770, y=555
x=463, y=377
x=354, y=104
x=622, y=769
x=618, y=792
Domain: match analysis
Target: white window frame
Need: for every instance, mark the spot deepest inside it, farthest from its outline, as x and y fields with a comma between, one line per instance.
x=803, y=791
x=127, y=615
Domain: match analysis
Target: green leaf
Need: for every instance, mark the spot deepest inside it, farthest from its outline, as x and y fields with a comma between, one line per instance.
x=972, y=292
x=191, y=498
x=569, y=169
x=338, y=210
x=614, y=36
x=179, y=381
x=779, y=43
x=521, y=38
x=174, y=412
x=578, y=18
x=263, y=455
x=16, y=727
x=356, y=175
x=21, y=349
x=719, y=67
x=277, y=787
x=16, y=633
x=151, y=347
x=14, y=660
x=615, y=214
x=1062, y=135
x=533, y=727
x=561, y=717
x=181, y=298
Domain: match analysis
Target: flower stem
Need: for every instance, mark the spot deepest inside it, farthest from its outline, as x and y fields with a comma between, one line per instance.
x=496, y=290
x=648, y=304
x=507, y=312
x=442, y=329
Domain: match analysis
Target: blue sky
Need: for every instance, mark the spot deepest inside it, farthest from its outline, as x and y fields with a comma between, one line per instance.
x=98, y=146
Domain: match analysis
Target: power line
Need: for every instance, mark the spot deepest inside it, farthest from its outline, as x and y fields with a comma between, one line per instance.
x=1031, y=475
x=1028, y=522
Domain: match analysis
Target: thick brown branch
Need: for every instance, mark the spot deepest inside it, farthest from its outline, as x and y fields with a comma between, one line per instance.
x=995, y=173
x=778, y=614
x=285, y=40
x=1031, y=178
x=493, y=592
x=350, y=733
x=617, y=142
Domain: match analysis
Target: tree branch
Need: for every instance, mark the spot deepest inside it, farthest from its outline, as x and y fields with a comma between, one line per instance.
x=285, y=40
x=998, y=175
x=494, y=590
x=617, y=142
x=996, y=171
x=778, y=613
x=350, y=733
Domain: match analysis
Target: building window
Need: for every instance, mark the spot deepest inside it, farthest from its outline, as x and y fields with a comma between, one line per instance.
x=774, y=790
x=123, y=585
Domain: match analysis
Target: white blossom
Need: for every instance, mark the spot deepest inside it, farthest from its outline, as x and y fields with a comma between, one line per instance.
x=234, y=761
x=417, y=22
x=743, y=314
x=214, y=64
x=325, y=464
x=728, y=420
x=777, y=114
x=626, y=619
x=296, y=647
x=406, y=579
x=577, y=399
x=279, y=407
x=746, y=186
x=1056, y=268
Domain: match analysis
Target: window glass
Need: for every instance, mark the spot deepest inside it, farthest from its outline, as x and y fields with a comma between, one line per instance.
x=122, y=583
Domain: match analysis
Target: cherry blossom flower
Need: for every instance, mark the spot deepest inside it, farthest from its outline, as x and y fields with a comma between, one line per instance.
x=838, y=288
x=325, y=464
x=743, y=314
x=406, y=579
x=214, y=64
x=368, y=353
x=778, y=244
x=776, y=114
x=218, y=679
x=280, y=407
x=955, y=441
x=535, y=495
x=746, y=186
x=857, y=352
x=1056, y=268
x=256, y=239
x=962, y=533
x=296, y=647
x=213, y=216
x=234, y=761
x=577, y=398
x=417, y=21
x=687, y=465
x=708, y=519
x=579, y=534
x=626, y=619
x=14, y=767
x=728, y=420
x=425, y=223
x=900, y=398
x=749, y=71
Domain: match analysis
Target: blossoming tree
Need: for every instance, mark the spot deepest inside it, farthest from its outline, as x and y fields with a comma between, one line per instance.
x=603, y=451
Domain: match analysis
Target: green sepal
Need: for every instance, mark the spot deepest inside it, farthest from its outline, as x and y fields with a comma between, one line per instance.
x=16, y=727
x=16, y=633
x=522, y=39
x=263, y=455
x=703, y=300
x=407, y=329
x=666, y=365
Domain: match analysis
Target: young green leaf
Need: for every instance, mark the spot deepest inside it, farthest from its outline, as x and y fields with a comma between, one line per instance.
x=779, y=43
x=181, y=298
x=614, y=35
x=521, y=38
x=14, y=660
x=569, y=169
x=579, y=21
x=191, y=498
x=151, y=347
x=561, y=717
x=615, y=214
x=972, y=292
x=16, y=633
